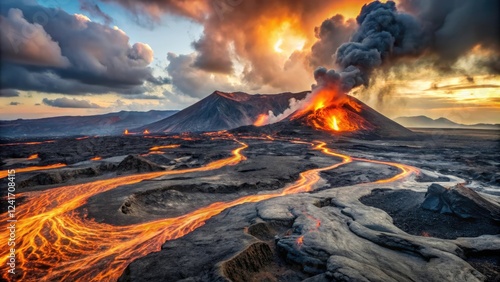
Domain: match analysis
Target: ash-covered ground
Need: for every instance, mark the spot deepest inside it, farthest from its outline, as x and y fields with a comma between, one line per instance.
x=353, y=225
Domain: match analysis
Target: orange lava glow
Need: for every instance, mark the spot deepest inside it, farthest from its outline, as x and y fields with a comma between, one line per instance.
x=145, y=132
x=96, y=158
x=4, y=173
x=33, y=157
x=82, y=138
x=327, y=111
x=300, y=241
x=28, y=143
x=157, y=148
x=261, y=120
x=405, y=170
x=56, y=243
x=335, y=118
x=334, y=124
x=125, y=132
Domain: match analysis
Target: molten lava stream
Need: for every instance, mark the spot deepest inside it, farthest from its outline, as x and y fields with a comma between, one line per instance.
x=28, y=143
x=4, y=173
x=405, y=170
x=54, y=243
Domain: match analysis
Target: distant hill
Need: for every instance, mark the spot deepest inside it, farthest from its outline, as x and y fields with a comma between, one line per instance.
x=220, y=111
x=427, y=122
x=106, y=124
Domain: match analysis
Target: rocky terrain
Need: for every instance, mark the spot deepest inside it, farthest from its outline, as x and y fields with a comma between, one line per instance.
x=359, y=222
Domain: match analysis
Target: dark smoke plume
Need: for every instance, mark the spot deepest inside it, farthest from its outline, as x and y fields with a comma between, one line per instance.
x=384, y=34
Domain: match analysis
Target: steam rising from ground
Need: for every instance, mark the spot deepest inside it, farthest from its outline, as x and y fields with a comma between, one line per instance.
x=295, y=105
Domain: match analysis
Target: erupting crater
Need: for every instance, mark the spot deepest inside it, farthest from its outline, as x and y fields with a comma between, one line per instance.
x=346, y=115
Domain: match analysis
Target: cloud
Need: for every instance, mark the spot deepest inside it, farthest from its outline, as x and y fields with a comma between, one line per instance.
x=195, y=10
x=95, y=11
x=71, y=53
x=264, y=45
x=14, y=103
x=27, y=43
x=191, y=81
x=144, y=97
x=69, y=103
x=9, y=93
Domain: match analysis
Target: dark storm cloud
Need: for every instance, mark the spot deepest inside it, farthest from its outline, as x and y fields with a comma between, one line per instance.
x=47, y=80
x=9, y=93
x=49, y=50
x=95, y=11
x=69, y=103
x=331, y=34
x=14, y=103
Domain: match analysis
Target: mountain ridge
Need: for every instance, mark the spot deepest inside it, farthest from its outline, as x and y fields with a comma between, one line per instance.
x=423, y=121
x=221, y=111
x=105, y=124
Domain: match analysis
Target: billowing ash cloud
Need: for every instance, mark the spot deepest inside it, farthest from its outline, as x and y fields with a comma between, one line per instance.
x=384, y=35
x=48, y=50
x=331, y=34
x=70, y=103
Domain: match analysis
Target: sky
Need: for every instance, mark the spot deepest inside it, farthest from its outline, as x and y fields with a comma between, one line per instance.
x=62, y=57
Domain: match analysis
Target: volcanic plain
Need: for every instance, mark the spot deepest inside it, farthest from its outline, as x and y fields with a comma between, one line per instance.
x=258, y=204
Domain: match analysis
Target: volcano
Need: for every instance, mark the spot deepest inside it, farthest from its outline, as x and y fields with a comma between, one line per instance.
x=348, y=116
x=221, y=111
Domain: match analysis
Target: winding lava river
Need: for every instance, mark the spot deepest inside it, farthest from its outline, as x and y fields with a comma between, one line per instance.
x=55, y=243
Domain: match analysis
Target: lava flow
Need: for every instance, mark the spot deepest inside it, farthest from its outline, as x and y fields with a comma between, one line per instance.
x=33, y=157
x=28, y=143
x=157, y=148
x=55, y=243
x=4, y=173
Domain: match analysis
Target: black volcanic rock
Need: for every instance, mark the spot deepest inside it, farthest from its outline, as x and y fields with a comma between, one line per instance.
x=461, y=201
x=222, y=111
x=138, y=164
